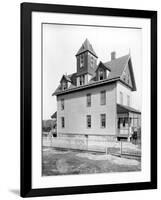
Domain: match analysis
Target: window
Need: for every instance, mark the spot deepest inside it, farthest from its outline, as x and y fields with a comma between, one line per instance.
x=88, y=100
x=64, y=85
x=81, y=61
x=103, y=97
x=82, y=80
x=121, y=98
x=101, y=74
x=62, y=104
x=128, y=100
x=124, y=76
x=128, y=79
x=92, y=61
x=103, y=120
x=88, y=121
x=62, y=122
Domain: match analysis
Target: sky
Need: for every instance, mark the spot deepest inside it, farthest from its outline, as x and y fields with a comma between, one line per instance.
x=61, y=43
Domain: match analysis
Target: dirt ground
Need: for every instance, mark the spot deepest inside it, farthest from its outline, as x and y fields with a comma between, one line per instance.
x=65, y=162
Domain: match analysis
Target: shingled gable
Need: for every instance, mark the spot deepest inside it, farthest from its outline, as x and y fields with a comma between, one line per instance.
x=86, y=46
x=102, y=65
x=116, y=68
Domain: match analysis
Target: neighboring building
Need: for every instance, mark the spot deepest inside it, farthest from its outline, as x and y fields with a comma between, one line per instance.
x=96, y=100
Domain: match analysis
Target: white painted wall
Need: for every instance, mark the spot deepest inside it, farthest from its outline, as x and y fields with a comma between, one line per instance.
x=125, y=91
x=76, y=110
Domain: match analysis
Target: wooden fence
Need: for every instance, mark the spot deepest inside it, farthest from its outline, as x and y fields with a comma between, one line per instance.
x=119, y=148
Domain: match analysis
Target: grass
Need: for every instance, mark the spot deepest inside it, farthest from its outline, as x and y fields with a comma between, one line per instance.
x=56, y=162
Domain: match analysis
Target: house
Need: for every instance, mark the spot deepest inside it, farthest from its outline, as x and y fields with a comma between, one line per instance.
x=96, y=99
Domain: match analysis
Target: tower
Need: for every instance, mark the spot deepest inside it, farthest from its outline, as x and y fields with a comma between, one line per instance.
x=86, y=63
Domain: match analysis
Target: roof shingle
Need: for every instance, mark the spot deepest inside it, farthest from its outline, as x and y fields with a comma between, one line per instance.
x=86, y=46
x=115, y=67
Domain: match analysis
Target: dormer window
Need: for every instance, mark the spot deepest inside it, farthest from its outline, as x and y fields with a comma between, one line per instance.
x=81, y=61
x=64, y=85
x=82, y=80
x=101, y=74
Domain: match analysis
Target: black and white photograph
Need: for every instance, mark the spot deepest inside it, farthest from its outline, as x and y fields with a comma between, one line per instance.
x=91, y=99
x=88, y=100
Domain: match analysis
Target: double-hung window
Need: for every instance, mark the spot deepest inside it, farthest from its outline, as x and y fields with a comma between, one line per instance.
x=81, y=61
x=88, y=121
x=128, y=100
x=103, y=98
x=82, y=80
x=103, y=120
x=88, y=100
x=62, y=104
x=121, y=98
x=101, y=74
x=62, y=122
x=64, y=85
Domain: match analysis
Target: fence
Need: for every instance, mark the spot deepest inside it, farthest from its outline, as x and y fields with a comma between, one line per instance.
x=97, y=144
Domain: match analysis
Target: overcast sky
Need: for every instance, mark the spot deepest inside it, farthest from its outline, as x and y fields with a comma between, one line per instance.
x=61, y=43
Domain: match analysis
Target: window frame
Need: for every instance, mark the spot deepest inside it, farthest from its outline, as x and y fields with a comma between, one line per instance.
x=89, y=100
x=82, y=80
x=64, y=85
x=101, y=120
x=62, y=122
x=128, y=100
x=103, y=100
x=81, y=60
x=121, y=98
x=99, y=74
x=88, y=117
x=92, y=61
x=62, y=104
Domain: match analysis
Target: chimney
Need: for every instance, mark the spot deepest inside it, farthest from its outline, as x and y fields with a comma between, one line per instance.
x=113, y=55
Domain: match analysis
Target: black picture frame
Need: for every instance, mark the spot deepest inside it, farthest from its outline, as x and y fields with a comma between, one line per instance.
x=26, y=99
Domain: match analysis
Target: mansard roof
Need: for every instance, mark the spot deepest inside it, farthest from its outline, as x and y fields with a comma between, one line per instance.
x=86, y=46
x=115, y=67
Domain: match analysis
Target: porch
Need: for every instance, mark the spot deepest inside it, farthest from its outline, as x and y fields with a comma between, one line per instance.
x=128, y=123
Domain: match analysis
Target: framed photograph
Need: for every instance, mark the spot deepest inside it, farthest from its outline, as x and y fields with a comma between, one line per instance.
x=88, y=99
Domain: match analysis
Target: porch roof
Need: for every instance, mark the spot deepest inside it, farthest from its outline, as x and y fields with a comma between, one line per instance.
x=126, y=109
